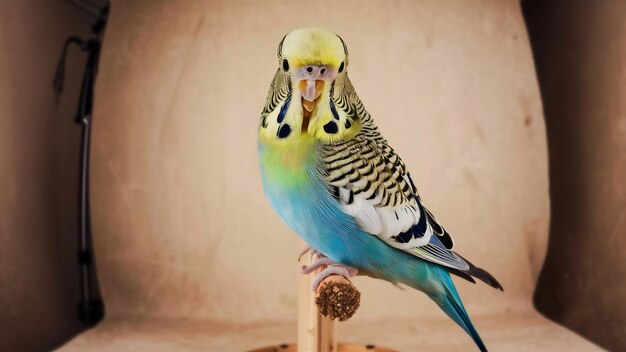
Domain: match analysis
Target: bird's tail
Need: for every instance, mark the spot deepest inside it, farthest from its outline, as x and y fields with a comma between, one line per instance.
x=451, y=304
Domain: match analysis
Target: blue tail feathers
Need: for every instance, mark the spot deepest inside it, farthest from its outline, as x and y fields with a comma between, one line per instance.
x=451, y=304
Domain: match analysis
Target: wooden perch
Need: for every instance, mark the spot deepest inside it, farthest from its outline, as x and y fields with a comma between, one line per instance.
x=337, y=298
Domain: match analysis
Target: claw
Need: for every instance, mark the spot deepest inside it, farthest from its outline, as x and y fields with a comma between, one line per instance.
x=304, y=251
x=308, y=249
x=320, y=262
x=334, y=269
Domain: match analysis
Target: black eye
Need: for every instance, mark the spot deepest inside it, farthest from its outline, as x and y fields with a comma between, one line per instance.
x=285, y=65
x=341, y=67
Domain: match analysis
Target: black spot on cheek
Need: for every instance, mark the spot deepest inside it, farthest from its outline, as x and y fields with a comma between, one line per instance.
x=285, y=65
x=331, y=127
x=348, y=124
x=341, y=67
x=284, y=131
x=283, y=110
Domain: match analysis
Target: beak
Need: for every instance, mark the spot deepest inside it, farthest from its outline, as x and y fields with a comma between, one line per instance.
x=312, y=79
x=310, y=90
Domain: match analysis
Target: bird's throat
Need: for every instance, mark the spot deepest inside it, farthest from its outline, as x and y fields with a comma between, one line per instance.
x=306, y=117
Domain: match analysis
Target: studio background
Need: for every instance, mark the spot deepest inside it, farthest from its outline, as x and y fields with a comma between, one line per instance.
x=191, y=255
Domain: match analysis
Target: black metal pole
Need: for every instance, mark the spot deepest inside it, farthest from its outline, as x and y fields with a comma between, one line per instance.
x=90, y=308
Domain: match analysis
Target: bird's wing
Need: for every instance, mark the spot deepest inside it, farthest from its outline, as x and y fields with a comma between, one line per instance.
x=370, y=182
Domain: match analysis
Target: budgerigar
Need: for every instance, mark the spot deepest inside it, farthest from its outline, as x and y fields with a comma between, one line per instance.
x=336, y=182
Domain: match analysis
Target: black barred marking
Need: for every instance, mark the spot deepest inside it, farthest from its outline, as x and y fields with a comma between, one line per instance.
x=331, y=127
x=348, y=124
x=284, y=131
x=351, y=198
x=354, y=176
x=338, y=157
x=335, y=192
x=364, y=189
x=333, y=110
x=279, y=91
x=396, y=199
x=368, y=172
x=421, y=224
x=339, y=177
x=345, y=47
x=404, y=237
x=280, y=46
x=389, y=177
x=365, y=167
x=340, y=165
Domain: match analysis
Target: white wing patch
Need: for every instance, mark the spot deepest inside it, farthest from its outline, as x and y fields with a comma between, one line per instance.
x=394, y=225
x=386, y=222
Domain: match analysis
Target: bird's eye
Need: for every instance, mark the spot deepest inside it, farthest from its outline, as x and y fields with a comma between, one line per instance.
x=285, y=65
x=341, y=67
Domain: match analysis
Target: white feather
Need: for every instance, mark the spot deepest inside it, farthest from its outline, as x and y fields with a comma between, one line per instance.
x=368, y=218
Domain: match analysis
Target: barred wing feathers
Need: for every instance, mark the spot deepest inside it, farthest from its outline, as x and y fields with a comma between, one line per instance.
x=371, y=183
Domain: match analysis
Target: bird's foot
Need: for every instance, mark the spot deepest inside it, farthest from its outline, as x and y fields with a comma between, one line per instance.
x=334, y=269
x=331, y=268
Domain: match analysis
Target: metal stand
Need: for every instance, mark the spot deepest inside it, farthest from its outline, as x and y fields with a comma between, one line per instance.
x=91, y=308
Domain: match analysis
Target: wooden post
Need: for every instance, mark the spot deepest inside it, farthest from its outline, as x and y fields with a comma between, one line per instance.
x=315, y=332
x=337, y=299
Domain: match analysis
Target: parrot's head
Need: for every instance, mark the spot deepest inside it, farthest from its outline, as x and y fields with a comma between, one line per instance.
x=310, y=95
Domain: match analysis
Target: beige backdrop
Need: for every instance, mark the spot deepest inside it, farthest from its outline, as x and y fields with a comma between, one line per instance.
x=182, y=229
